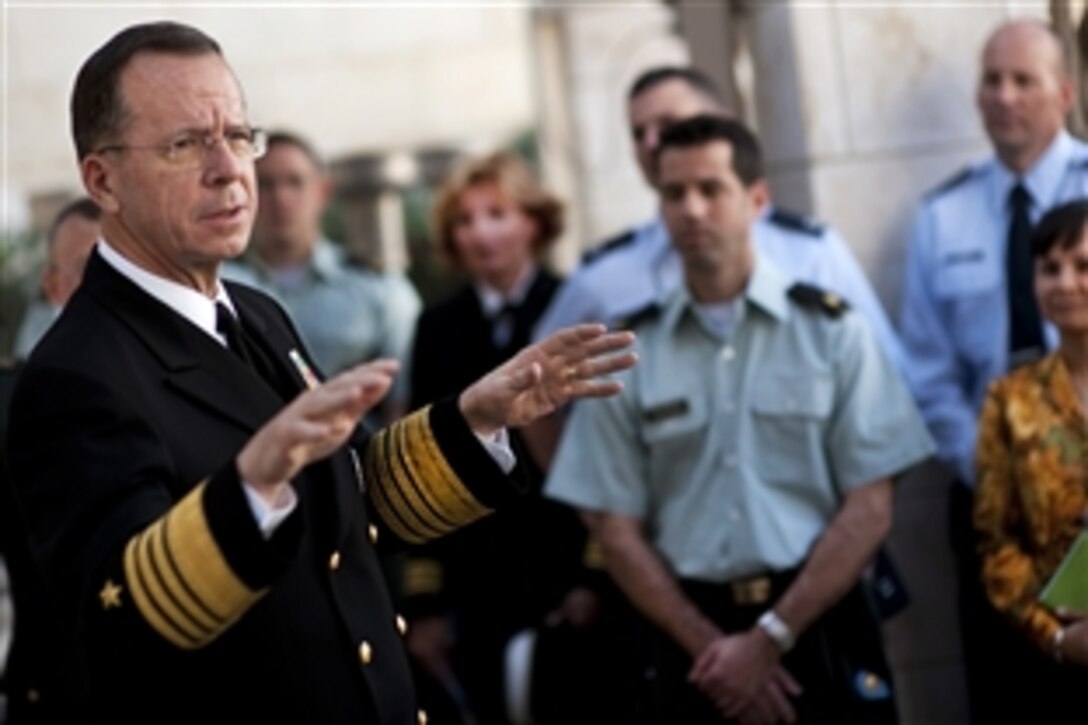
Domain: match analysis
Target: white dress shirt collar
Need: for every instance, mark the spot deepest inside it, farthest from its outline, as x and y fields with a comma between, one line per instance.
x=492, y=301
x=186, y=301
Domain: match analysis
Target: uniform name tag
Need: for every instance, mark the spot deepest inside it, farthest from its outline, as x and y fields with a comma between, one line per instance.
x=671, y=409
x=969, y=256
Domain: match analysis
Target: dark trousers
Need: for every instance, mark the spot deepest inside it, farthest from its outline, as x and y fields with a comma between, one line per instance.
x=839, y=662
x=1009, y=679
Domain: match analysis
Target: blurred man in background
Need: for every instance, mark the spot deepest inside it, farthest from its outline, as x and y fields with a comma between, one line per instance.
x=71, y=238
x=345, y=313
x=969, y=312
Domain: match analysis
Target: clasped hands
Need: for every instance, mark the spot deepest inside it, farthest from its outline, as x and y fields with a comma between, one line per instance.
x=567, y=365
x=741, y=674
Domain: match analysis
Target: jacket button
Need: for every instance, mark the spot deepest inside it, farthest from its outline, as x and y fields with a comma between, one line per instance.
x=402, y=625
x=372, y=533
x=366, y=652
x=334, y=561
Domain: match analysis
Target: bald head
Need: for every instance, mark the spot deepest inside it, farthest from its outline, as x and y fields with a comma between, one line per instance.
x=1034, y=34
x=1024, y=92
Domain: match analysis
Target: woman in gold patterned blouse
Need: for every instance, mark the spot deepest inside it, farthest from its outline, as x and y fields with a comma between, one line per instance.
x=1033, y=464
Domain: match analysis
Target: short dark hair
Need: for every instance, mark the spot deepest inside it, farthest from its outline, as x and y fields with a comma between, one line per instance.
x=81, y=207
x=1063, y=225
x=280, y=137
x=704, y=129
x=97, y=109
x=697, y=80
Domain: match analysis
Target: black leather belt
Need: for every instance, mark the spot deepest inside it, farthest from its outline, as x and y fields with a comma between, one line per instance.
x=758, y=590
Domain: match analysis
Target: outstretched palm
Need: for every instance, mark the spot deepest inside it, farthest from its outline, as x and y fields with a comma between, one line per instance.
x=543, y=377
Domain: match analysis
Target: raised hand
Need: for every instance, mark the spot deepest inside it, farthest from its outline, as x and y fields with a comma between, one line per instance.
x=314, y=425
x=543, y=377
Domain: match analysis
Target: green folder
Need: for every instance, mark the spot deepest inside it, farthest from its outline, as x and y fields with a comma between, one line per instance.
x=1068, y=587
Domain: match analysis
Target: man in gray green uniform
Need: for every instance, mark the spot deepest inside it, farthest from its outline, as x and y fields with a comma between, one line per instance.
x=346, y=314
x=743, y=479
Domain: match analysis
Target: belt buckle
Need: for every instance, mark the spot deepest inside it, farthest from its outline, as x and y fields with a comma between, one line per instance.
x=751, y=592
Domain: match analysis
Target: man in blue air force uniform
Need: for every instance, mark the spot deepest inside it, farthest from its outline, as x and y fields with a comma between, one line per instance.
x=969, y=313
x=640, y=266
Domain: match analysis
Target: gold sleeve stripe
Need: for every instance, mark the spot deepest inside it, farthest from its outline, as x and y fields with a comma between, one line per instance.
x=422, y=487
x=432, y=475
x=406, y=495
x=198, y=609
x=457, y=504
x=148, y=607
x=395, y=514
x=422, y=576
x=386, y=512
x=161, y=595
x=180, y=580
x=413, y=486
x=167, y=571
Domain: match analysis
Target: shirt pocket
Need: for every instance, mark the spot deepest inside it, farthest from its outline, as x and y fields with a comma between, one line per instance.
x=966, y=272
x=971, y=300
x=790, y=411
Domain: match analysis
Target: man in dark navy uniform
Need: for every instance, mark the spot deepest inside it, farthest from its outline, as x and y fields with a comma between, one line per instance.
x=200, y=503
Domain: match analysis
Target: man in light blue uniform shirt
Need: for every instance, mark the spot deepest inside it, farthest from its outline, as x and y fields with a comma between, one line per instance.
x=345, y=314
x=968, y=312
x=742, y=479
x=955, y=313
x=640, y=266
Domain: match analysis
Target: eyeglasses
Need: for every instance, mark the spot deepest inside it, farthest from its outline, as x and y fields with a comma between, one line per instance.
x=190, y=150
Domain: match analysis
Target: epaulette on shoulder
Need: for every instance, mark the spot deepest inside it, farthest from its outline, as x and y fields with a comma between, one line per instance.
x=359, y=264
x=609, y=245
x=813, y=297
x=796, y=222
x=637, y=317
x=952, y=182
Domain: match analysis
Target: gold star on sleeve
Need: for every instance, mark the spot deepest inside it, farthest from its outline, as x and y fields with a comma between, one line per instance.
x=110, y=595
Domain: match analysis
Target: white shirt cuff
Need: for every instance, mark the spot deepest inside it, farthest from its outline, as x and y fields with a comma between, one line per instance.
x=270, y=517
x=498, y=447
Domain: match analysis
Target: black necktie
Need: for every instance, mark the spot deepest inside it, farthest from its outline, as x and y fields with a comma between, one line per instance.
x=1025, y=325
x=229, y=327
x=502, y=326
x=249, y=351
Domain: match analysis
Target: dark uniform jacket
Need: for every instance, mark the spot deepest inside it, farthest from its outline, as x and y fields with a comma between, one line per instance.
x=124, y=429
x=507, y=573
